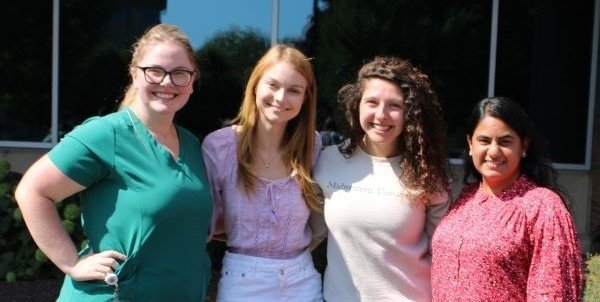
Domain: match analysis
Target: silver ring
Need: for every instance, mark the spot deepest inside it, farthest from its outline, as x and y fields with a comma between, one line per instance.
x=111, y=279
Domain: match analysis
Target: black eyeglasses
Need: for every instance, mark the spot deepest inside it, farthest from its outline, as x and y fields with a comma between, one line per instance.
x=155, y=75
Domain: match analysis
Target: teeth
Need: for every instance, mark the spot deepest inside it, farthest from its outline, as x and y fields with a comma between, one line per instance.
x=381, y=127
x=164, y=95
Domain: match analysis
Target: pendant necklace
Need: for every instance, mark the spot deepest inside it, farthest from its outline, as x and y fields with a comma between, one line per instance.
x=268, y=163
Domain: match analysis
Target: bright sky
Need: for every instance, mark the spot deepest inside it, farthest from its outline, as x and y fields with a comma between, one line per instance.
x=201, y=19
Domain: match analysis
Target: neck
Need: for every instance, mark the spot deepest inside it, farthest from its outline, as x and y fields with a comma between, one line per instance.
x=157, y=123
x=385, y=150
x=268, y=138
x=495, y=187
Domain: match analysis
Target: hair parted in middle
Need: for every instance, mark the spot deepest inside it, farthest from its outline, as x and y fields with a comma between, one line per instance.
x=423, y=160
x=299, y=136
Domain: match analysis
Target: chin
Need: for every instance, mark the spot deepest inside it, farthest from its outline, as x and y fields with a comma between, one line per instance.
x=377, y=139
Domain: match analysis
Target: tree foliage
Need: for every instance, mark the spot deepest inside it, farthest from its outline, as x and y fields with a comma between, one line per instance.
x=225, y=63
x=448, y=40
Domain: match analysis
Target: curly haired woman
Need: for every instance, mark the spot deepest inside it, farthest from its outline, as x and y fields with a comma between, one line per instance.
x=385, y=186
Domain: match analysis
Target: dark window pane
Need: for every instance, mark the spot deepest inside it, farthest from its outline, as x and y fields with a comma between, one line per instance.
x=95, y=48
x=26, y=68
x=449, y=42
x=544, y=50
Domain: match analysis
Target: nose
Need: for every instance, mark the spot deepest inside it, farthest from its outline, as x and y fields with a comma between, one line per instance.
x=381, y=112
x=164, y=80
x=494, y=150
x=279, y=94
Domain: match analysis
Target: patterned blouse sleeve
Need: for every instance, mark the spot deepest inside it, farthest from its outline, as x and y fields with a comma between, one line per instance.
x=556, y=269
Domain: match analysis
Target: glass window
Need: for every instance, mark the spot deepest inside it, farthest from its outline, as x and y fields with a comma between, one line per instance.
x=543, y=58
x=95, y=43
x=448, y=42
x=544, y=50
x=26, y=60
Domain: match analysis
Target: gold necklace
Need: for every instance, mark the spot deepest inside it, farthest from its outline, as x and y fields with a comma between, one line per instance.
x=267, y=164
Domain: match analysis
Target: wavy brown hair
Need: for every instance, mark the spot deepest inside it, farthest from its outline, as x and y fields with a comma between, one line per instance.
x=157, y=34
x=423, y=161
x=299, y=136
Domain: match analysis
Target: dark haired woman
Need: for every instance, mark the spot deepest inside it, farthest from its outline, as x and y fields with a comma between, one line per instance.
x=385, y=187
x=509, y=236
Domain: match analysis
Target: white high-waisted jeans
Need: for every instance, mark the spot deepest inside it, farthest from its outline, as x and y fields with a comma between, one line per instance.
x=248, y=278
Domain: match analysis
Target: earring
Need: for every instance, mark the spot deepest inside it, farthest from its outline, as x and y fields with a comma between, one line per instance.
x=470, y=152
x=524, y=154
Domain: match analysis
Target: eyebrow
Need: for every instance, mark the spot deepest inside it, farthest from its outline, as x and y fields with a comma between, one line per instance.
x=185, y=68
x=507, y=136
x=268, y=78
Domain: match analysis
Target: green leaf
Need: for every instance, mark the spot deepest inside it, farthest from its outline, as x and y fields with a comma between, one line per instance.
x=72, y=212
x=17, y=215
x=69, y=226
x=4, y=168
x=11, y=277
x=40, y=256
x=5, y=188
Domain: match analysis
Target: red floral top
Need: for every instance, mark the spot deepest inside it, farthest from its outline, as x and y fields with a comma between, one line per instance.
x=518, y=245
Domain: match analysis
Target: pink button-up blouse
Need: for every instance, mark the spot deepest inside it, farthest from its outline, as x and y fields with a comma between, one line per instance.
x=520, y=245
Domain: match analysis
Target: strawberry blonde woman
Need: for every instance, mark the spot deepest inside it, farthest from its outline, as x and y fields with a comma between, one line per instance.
x=260, y=172
x=509, y=236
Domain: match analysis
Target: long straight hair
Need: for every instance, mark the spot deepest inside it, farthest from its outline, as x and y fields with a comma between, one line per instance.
x=299, y=135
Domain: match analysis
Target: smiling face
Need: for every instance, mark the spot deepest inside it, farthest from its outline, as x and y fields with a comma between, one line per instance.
x=381, y=116
x=496, y=151
x=164, y=97
x=280, y=93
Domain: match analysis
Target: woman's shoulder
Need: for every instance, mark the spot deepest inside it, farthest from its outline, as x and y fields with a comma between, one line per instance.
x=538, y=199
x=466, y=194
x=220, y=141
x=98, y=127
x=330, y=152
x=222, y=134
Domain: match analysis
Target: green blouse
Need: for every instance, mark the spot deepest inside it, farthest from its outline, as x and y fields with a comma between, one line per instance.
x=142, y=202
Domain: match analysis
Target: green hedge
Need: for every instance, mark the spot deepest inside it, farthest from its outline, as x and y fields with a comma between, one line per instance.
x=20, y=259
x=592, y=277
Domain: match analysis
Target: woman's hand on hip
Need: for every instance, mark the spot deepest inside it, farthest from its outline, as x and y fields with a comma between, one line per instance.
x=96, y=266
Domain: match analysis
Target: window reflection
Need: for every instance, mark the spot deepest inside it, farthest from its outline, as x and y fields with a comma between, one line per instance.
x=544, y=63
x=25, y=76
x=543, y=58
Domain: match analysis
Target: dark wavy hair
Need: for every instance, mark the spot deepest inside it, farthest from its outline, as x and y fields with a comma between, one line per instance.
x=423, y=163
x=536, y=164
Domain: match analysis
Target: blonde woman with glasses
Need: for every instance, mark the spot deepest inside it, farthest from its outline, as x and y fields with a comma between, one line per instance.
x=145, y=199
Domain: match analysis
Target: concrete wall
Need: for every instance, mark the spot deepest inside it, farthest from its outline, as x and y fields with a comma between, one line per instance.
x=21, y=159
